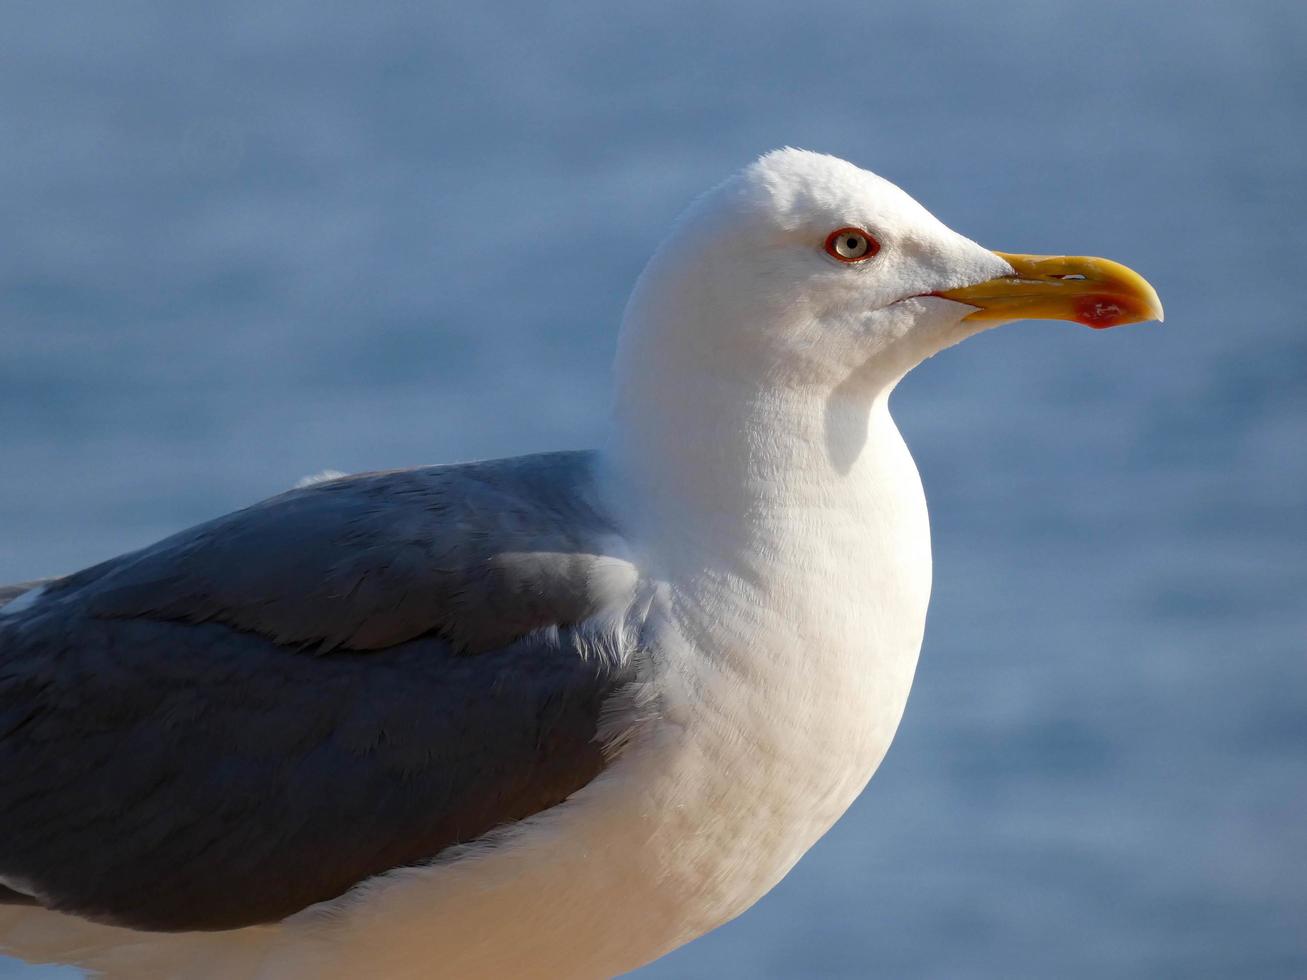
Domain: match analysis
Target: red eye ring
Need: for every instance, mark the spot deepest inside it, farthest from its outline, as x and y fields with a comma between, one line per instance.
x=851, y=245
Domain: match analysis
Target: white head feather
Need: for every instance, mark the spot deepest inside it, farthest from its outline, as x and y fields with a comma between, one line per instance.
x=745, y=344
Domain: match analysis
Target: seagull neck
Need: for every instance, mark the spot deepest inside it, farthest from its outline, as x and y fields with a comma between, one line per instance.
x=721, y=469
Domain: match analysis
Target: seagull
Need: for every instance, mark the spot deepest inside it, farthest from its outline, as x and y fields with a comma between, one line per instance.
x=547, y=716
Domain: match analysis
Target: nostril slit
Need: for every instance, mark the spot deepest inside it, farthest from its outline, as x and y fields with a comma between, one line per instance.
x=1076, y=276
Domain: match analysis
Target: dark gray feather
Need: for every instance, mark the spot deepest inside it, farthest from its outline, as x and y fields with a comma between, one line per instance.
x=256, y=714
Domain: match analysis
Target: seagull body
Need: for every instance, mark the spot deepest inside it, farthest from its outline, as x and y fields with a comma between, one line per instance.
x=550, y=716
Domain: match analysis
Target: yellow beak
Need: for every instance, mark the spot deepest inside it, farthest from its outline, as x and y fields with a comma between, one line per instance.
x=1096, y=292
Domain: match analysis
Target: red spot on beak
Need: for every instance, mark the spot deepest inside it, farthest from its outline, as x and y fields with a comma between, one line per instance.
x=1101, y=312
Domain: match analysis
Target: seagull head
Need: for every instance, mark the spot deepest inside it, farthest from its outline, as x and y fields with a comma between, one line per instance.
x=786, y=304
x=803, y=268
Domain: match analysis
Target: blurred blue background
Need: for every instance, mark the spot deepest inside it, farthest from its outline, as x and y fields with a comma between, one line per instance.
x=246, y=241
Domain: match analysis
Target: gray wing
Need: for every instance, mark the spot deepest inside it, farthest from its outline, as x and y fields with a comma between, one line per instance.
x=256, y=714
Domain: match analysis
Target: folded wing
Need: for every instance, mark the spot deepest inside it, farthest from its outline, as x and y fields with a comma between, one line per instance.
x=258, y=713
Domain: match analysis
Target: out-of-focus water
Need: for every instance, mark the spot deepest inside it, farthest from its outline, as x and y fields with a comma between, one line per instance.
x=243, y=242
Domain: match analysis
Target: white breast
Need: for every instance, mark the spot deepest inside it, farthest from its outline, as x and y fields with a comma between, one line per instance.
x=802, y=671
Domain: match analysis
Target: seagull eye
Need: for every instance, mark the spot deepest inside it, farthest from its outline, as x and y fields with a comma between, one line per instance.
x=851, y=245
